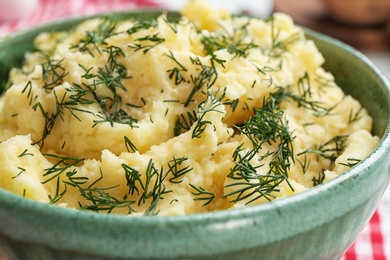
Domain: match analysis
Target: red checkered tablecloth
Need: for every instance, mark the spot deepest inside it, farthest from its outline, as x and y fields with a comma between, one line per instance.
x=371, y=243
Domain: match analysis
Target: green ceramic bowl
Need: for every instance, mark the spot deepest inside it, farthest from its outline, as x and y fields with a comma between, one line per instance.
x=320, y=223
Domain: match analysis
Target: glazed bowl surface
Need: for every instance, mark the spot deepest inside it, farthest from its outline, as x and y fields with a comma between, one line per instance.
x=320, y=223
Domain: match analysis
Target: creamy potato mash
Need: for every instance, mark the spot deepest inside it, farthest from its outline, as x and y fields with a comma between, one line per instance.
x=176, y=116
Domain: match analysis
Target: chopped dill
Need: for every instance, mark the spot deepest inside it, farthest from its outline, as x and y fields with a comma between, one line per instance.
x=30, y=94
x=176, y=169
x=318, y=180
x=211, y=104
x=119, y=116
x=255, y=173
x=202, y=195
x=62, y=165
x=21, y=170
x=176, y=72
x=266, y=126
x=94, y=39
x=142, y=25
x=355, y=116
x=130, y=147
x=302, y=100
x=100, y=199
x=351, y=162
x=330, y=149
x=304, y=164
x=235, y=42
x=25, y=153
x=206, y=77
x=280, y=45
x=53, y=73
x=151, y=189
x=146, y=43
x=184, y=122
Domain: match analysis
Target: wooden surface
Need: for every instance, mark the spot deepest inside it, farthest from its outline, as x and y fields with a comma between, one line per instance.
x=313, y=14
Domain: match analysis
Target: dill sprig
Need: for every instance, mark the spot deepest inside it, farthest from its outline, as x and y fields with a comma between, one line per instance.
x=142, y=25
x=176, y=72
x=21, y=170
x=202, y=194
x=266, y=126
x=25, y=153
x=97, y=199
x=322, y=82
x=146, y=43
x=232, y=103
x=62, y=165
x=280, y=46
x=74, y=180
x=184, y=122
x=211, y=104
x=58, y=193
x=50, y=120
x=265, y=69
x=77, y=98
x=133, y=177
x=172, y=22
x=302, y=100
x=114, y=52
x=111, y=77
x=94, y=39
x=355, y=116
x=30, y=93
x=304, y=164
x=269, y=127
x=100, y=199
x=151, y=189
x=234, y=42
x=319, y=179
x=206, y=77
x=176, y=170
x=351, y=162
x=130, y=147
x=157, y=190
x=53, y=73
x=71, y=104
x=248, y=182
x=330, y=149
x=304, y=86
x=119, y=116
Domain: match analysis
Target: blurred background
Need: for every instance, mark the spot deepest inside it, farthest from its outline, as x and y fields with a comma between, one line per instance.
x=364, y=24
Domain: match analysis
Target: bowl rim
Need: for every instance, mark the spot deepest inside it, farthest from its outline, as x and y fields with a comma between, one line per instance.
x=382, y=150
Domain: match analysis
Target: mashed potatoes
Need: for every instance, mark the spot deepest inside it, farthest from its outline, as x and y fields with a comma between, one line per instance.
x=172, y=117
